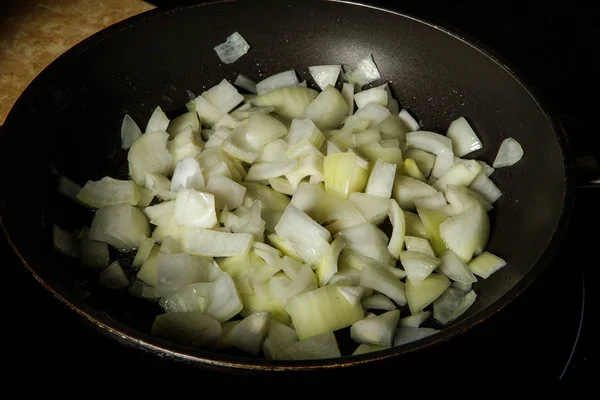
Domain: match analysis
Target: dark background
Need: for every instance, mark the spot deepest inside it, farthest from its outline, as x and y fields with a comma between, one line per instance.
x=554, y=47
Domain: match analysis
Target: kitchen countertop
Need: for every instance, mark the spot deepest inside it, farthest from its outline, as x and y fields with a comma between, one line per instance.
x=33, y=33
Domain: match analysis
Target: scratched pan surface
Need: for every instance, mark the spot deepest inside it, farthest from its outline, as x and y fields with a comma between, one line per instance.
x=68, y=120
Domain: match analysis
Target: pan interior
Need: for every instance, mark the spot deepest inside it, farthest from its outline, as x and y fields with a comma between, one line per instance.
x=69, y=120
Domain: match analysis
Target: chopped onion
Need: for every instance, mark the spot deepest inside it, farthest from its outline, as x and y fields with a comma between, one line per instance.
x=113, y=277
x=409, y=120
x=207, y=113
x=422, y=294
x=412, y=170
x=415, y=320
x=149, y=155
x=509, y=154
x=485, y=264
x=67, y=188
x=108, y=191
x=226, y=192
x=396, y=217
x=348, y=95
x=158, y=121
x=143, y=252
x=183, y=122
x=187, y=175
x=130, y=132
x=486, y=188
x=362, y=73
x=414, y=225
x=436, y=202
x=377, y=302
x=381, y=179
x=282, y=79
x=418, y=244
x=93, y=254
x=367, y=240
x=431, y=220
x=423, y=159
x=65, y=242
x=249, y=334
x=121, y=225
x=223, y=96
x=328, y=109
x=325, y=75
x=289, y=102
x=378, y=330
x=466, y=233
x=204, y=242
x=233, y=48
x=324, y=310
x=242, y=81
x=459, y=174
x=267, y=170
x=373, y=112
x=464, y=138
x=455, y=268
x=313, y=348
x=373, y=208
x=329, y=263
x=374, y=95
x=452, y=304
x=384, y=282
x=195, y=209
x=407, y=189
x=417, y=265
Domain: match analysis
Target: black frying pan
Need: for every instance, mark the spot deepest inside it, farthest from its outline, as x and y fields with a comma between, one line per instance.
x=68, y=120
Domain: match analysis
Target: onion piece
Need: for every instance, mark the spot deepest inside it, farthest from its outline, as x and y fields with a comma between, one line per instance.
x=242, y=81
x=187, y=175
x=113, y=277
x=509, y=153
x=143, y=252
x=411, y=123
x=93, y=254
x=464, y=138
x=158, y=121
x=348, y=95
x=149, y=155
x=324, y=310
x=314, y=348
x=436, y=202
x=207, y=113
x=373, y=112
x=396, y=217
x=485, y=187
x=452, y=304
x=130, y=132
x=407, y=189
x=325, y=75
x=485, y=264
x=227, y=192
x=455, y=268
x=363, y=72
x=412, y=170
x=204, y=242
x=65, y=242
x=466, y=233
x=232, y=49
x=282, y=79
x=432, y=219
x=329, y=263
x=343, y=175
x=223, y=96
x=375, y=95
x=459, y=174
x=369, y=241
x=328, y=109
x=423, y=159
x=378, y=302
x=415, y=320
x=187, y=143
x=378, y=330
x=420, y=295
x=267, y=170
x=304, y=129
x=249, y=334
x=384, y=282
x=195, y=209
x=121, y=225
x=108, y=191
x=414, y=225
x=309, y=239
x=381, y=179
x=418, y=244
x=289, y=102
x=417, y=265
x=374, y=209
x=182, y=122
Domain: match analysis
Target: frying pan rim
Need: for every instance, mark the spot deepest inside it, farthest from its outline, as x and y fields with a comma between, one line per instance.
x=140, y=340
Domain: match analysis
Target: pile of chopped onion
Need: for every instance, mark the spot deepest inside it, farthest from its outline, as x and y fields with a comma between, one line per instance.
x=257, y=218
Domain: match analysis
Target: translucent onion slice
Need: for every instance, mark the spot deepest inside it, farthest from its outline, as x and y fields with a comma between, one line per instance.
x=452, y=304
x=464, y=138
x=282, y=79
x=130, y=132
x=378, y=330
x=232, y=49
x=242, y=81
x=113, y=277
x=325, y=75
x=363, y=72
x=509, y=153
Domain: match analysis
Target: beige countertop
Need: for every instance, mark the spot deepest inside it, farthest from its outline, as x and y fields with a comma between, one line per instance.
x=33, y=33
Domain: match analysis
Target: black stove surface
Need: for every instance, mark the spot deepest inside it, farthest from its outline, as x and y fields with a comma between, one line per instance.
x=544, y=334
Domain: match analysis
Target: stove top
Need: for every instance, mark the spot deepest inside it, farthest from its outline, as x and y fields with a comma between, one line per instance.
x=544, y=334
